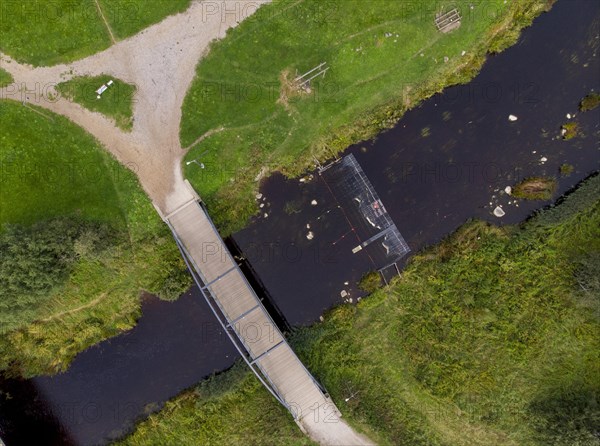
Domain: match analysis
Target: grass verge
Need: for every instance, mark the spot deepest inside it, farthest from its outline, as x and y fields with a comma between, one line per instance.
x=53, y=169
x=5, y=78
x=40, y=32
x=487, y=338
x=243, y=117
x=116, y=102
x=231, y=408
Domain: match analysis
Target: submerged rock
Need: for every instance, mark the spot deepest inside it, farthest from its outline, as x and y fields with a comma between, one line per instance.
x=499, y=212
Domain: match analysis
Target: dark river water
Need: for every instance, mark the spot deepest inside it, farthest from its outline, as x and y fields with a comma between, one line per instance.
x=445, y=162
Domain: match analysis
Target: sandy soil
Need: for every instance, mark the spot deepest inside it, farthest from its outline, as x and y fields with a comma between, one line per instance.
x=328, y=428
x=161, y=62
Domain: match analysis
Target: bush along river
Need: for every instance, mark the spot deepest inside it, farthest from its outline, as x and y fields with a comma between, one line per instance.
x=447, y=161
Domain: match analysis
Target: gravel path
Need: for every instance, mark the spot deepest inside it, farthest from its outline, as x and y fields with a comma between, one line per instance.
x=161, y=62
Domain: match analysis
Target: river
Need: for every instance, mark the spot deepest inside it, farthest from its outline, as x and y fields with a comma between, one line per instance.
x=445, y=162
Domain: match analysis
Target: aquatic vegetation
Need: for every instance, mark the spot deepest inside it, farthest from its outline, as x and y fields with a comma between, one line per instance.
x=566, y=169
x=489, y=318
x=292, y=207
x=425, y=132
x=536, y=188
x=368, y=89
x=590, y=102
x=570, y=130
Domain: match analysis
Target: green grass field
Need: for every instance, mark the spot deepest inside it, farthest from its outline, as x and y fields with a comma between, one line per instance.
x=5, y=78
x=384, y=57
x=52, y=168
x=46, y=33
x=116, y=102
x=489, y=338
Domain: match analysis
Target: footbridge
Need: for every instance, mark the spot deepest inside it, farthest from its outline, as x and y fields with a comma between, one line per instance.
x=245, y=320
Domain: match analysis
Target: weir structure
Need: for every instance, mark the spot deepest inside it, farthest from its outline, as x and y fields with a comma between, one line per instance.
x=365, y=213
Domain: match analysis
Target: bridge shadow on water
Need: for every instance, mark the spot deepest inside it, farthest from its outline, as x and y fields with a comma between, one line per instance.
x=413, y=168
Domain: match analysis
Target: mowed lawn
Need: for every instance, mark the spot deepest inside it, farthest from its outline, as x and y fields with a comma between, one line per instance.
x=51, y=168
x=5, y=78
x=380, y=53
x=42, y=32
x=116, y=102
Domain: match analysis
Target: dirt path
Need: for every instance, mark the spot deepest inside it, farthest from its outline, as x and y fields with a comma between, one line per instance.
x=161, y=62
x=112, y=36
x=103, y=17
x=76, y=309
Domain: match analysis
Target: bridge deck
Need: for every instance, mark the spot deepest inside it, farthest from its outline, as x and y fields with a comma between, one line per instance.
x=243, y=313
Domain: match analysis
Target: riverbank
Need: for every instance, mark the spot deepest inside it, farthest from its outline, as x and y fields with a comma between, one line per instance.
x=79, y=241
x=242, y=128
x=487, y=338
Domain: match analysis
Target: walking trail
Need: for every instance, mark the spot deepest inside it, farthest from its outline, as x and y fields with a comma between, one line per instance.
x=160, y=61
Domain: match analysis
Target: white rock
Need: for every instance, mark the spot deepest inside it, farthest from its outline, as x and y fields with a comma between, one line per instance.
x=463, y=53
x=512, y=118
x=543, y=159
x=314, y=202
x=321, y=318
x=346, y=283
x=310, y=235
x=350, y=300
x=266, y=215
x=499, y=212
x=307, y=225
x=343, y=293
x=508, y=190
x=262, y=205
x=568, y=115
x=563, y=132
x=259, y=196
x=302, y=180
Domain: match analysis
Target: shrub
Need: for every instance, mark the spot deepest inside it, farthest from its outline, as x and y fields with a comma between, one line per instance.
x=36, y=259
x=370, y=282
